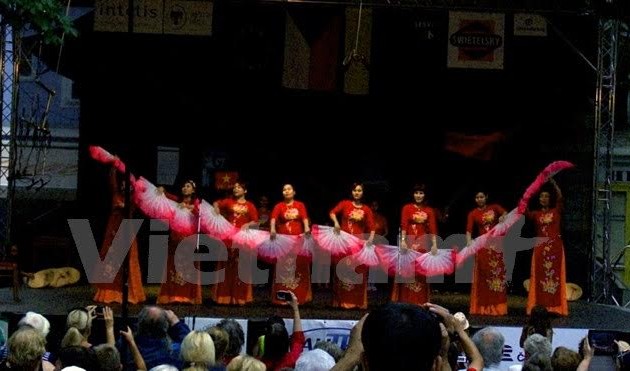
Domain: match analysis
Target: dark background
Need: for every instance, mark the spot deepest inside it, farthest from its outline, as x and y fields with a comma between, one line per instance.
x=223, y=95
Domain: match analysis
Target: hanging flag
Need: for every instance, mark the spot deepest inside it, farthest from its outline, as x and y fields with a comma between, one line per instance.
x=312, y=49
x=358, y=44
x=296, y=57
x=480, y=147
x=476, y=40
x=224, y=180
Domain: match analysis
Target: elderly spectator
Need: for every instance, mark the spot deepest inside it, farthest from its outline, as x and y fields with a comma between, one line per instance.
x=315, y=360
x=197, y=351
x=565, y=359
x=26, y=348
x=164, y=368
x=154, y=325
x=245, y=363
x=108, y=357
x=236, y=338
x=331, y=348
x=37, y=322
x=537, y=343
x=489, y=342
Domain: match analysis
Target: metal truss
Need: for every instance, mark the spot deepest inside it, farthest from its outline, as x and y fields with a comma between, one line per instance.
x=9, y=57
x=602, y=278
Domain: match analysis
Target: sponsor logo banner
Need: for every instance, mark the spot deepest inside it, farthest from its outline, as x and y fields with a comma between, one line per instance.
x=476, y=40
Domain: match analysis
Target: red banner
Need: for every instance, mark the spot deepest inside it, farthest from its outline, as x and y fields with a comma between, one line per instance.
x=480, y=147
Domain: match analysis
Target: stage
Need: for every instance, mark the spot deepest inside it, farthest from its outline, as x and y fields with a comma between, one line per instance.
x=54, y=302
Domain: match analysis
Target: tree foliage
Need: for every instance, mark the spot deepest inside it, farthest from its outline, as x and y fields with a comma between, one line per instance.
x=46, y=17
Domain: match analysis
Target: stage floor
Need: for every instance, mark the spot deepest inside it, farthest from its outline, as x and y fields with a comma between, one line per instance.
x=58, y=301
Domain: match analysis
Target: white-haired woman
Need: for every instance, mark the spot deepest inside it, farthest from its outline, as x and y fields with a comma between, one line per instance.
x=197, y=351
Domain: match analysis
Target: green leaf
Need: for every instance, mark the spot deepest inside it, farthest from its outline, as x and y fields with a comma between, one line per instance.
x=47, y=17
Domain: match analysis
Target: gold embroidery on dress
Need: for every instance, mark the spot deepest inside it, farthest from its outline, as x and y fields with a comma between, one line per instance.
x=239, y=210
x=545, y=220
x=420, y=217
x=346, y=286
x=286, y=274
x=177, y=278
x=488, y=217
x=291, y=213
x=496, y=282
x=414, y=286
x=356, y=215
x=550, y=283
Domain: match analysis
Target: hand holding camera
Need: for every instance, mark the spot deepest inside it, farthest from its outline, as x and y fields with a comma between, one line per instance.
x=92, y=311
x=443, y=316
x=100, y=311
x=283, y=295
x=289, y=297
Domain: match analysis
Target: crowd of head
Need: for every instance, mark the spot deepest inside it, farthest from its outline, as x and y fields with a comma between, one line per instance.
x=396, y=336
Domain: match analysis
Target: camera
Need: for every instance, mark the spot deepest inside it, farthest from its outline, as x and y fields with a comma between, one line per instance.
x=98, y=311
x=284, y=295
x=602, y=342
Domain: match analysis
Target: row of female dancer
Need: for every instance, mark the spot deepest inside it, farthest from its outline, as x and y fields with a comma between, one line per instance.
x=290, y=217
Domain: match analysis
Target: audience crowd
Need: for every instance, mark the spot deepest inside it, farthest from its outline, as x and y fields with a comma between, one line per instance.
x=395, y=336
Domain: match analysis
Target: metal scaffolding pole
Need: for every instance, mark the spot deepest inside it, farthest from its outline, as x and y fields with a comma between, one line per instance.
x=9, y=57
x=602, y=276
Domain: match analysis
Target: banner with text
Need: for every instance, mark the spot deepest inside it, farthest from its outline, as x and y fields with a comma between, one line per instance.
x=526, y=24
x=179, y=17
x=476, y=40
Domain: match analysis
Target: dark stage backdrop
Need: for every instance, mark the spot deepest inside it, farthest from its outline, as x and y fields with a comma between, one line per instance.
x=223, y=94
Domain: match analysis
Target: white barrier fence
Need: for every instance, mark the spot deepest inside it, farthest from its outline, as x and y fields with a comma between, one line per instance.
x=338, y=331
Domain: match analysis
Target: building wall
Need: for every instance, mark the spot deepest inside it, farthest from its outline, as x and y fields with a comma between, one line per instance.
x=48, y=134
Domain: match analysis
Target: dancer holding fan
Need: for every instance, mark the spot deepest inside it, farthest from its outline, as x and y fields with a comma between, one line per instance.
x=488, y=292
x=488, y=289
x=182, y=286
x=112, y=292
x=292, y=272
x=356, y=218
x=548, y=271
x=418, y=231
x=242, y=214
